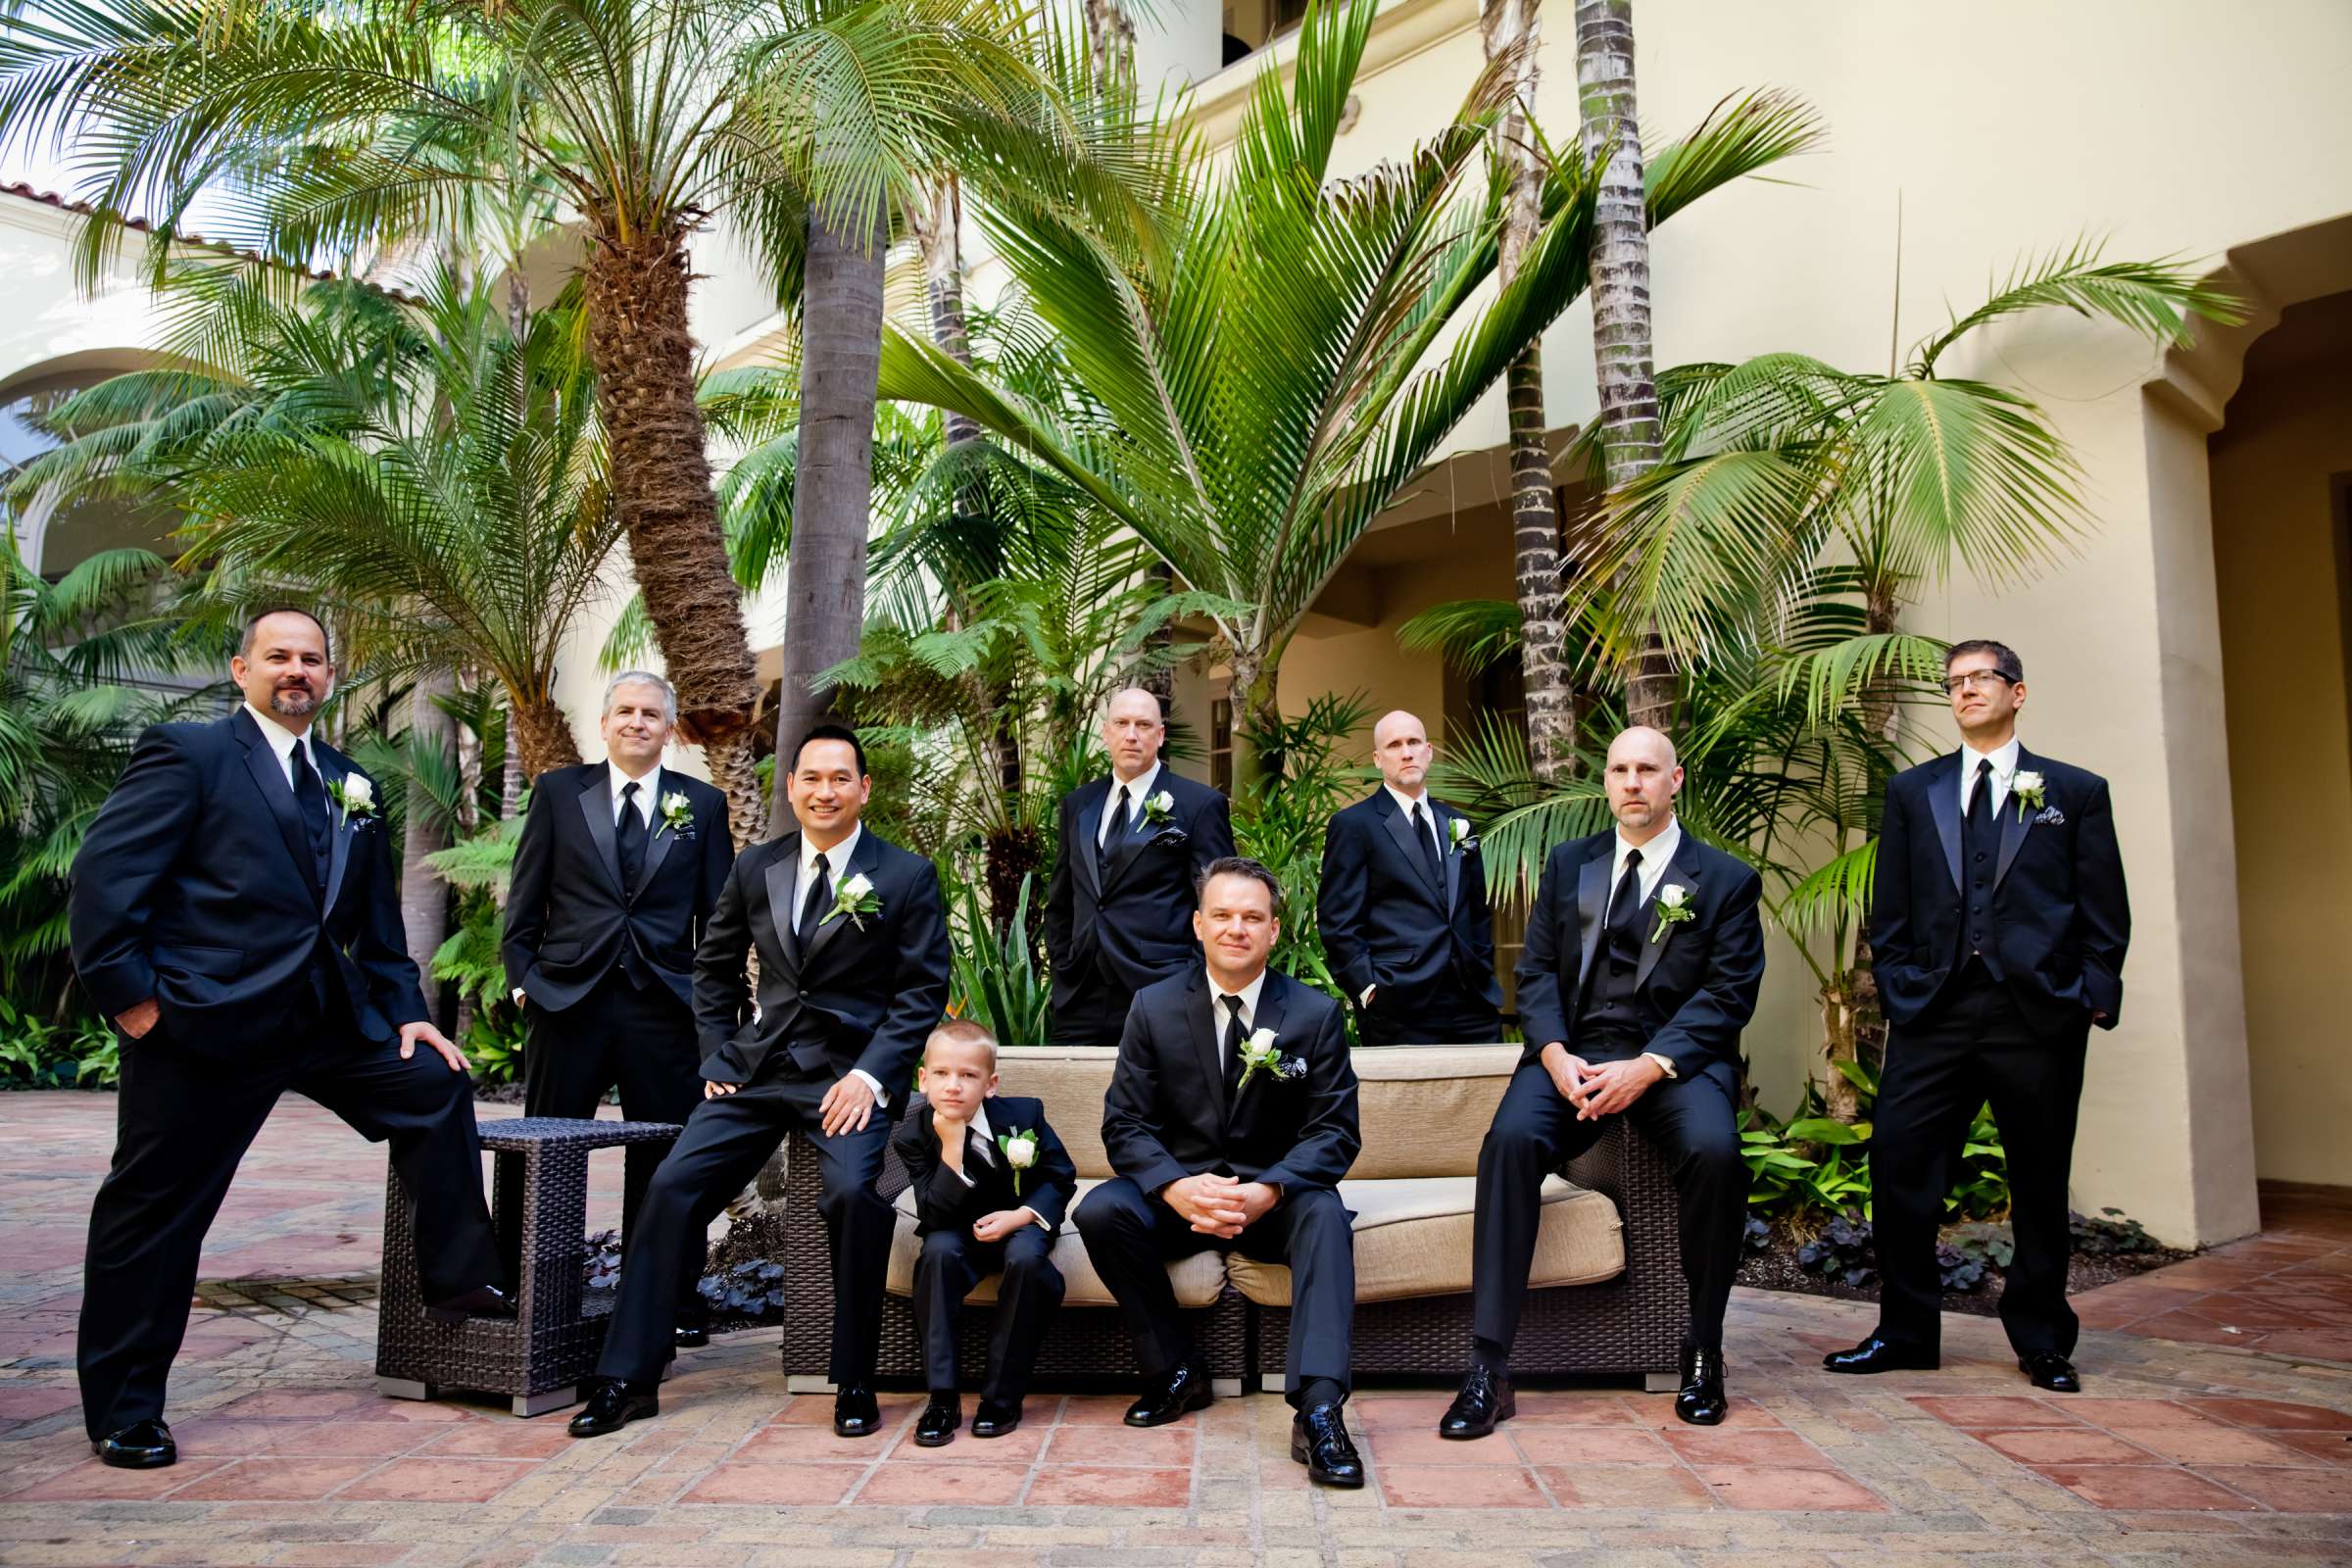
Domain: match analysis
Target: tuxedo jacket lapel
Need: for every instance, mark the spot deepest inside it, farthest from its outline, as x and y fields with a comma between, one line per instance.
x=1084, y=851
x=1127, y=840
x=595, y=805
x=1400, y=828
x=339, y=838
x=1591, y=907
x=1450, y=855
x=1684, y=870
x=270, y=780
x=1942, y=782
x=782, y=872
x=656, y=850
x=1201, y=1028
x=2017, y=819
x=1272, y=1000
x=868, y=855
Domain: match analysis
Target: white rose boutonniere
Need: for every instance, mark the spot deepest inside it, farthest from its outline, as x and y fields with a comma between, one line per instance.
x=1257, y=1051
x=856, y=899
x=2027, y=786
x=1674, y=907
x=678, y=812
x=1464, y=841
x=356, y=795
x=1020, y=1152
x=1159, y=810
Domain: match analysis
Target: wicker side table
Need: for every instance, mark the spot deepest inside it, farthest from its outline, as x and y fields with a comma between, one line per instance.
x=539, y=1204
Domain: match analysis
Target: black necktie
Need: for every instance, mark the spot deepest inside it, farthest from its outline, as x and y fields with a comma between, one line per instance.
x=1625, y=904
x=631, y=840
x=1981, y=833
x=1235, y=1039
x=1428, y=849
x=1115, y=826
x=310, y=798
x=818, y=904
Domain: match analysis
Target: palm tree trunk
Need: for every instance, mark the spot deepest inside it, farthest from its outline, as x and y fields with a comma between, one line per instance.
x=840, y=366
x=424, y=896
x=542, y=737
x=1110, y=38
x=1631, y=433
x=635, y=288
x=1511, y=27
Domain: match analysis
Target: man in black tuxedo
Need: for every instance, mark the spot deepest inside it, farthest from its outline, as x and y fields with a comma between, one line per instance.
x=1402, y=910
x=618, y=867
x=1119, y=905
x=992, y=1182
x=1643, y=957
x=1997, y=929
x=233, y=911
x=853, y=975
x=1231, y=1118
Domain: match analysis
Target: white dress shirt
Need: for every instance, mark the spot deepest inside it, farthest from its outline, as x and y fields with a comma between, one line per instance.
x=1218, y=1014
x=1429, y=814
x=1136, y=794
x=282, y=742
x=837, y=865
x=2004, y=768
x=1656, y=856
x=649, y=791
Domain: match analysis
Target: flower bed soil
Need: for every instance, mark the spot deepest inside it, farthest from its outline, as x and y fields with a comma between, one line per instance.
x=1776, y=1268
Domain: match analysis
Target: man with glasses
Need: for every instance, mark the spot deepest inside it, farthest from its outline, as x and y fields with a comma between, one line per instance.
x=1997, y=926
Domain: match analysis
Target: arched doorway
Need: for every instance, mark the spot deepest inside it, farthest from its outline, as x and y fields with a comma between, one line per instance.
x=54, y=534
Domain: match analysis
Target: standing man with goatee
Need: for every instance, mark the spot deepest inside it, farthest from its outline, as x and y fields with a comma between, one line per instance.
x=853, y=976
x=1645, y=954
x=1997, y=929
x=618, y=867
x=1402, y=910
x=1119, y=906
x=233, y=911
x=1231, y=1118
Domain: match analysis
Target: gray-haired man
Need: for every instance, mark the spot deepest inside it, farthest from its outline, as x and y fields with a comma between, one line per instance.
x=618, y=868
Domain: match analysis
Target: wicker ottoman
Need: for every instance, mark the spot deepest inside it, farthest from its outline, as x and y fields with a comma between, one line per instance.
x=539, y=1203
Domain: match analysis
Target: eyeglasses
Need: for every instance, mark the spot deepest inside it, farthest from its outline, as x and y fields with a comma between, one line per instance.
x=1955, y=685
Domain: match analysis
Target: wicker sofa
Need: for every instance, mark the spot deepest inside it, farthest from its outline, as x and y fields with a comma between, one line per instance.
x=1606, y=1293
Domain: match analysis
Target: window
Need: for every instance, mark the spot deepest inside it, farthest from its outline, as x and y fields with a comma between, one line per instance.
x=1220, y=744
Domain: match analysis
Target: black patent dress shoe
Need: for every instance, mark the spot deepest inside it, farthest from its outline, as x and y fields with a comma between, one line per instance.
x=936, y=1427
x=141, y=1446
x=690, y=1336
x=610, y=1408
x=993, y=1420
x=1701, y=1402
x=1875, y=1354
x=1181, y=1393
x=1484, y=1399
x=1319, y=1442
x=2050, y=1370
x=483, y=1300
x=856, y=1413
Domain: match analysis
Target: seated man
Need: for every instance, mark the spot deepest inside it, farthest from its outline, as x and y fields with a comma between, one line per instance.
x=990, y=1190
x=1231, y=1118
x=853, y=976
x=1642, y=960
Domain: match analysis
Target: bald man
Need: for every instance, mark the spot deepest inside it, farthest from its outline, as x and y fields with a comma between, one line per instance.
x=1119, y=906
x=1644, y=956
x=1402, y=905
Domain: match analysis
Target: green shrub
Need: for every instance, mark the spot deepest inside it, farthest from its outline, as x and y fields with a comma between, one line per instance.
x=38, y=1053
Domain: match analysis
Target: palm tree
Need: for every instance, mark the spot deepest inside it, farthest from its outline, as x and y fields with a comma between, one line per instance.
x=368, y=122
x=1251, y=368
x=434, y=484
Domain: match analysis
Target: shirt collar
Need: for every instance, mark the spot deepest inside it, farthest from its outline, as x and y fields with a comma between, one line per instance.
x=980, y=1123
x=1657, y=853
x=282, y=740
x=1405, y=802
x=1137, y=792
x=837, y=859
x=1249, y=995
x=2004, y=760
x=649, y=786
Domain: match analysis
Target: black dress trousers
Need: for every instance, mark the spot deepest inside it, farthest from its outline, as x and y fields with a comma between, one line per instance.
x=950, y=1264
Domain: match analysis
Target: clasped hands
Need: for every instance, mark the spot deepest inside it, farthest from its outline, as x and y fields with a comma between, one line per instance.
x=1219, y=1205
x=1602, y=1090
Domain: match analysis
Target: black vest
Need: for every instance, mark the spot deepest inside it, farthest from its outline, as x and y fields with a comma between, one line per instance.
x=1607, y=1023
x=1979, y=854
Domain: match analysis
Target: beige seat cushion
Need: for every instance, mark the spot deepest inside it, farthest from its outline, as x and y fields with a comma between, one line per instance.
x=1199, y=1279
x=1412, y=1238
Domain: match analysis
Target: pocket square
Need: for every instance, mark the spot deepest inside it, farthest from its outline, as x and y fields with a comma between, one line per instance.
x=2052, y=815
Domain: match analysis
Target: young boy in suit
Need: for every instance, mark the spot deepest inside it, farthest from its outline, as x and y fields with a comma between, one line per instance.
x=991, y=1183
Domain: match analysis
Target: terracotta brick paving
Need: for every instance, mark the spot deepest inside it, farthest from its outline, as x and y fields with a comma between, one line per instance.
x=2186, y=1450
